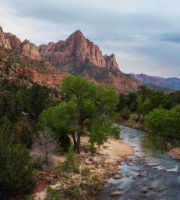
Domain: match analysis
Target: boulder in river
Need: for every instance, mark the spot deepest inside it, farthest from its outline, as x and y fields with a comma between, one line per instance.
x=175, y=153
x=117, y=176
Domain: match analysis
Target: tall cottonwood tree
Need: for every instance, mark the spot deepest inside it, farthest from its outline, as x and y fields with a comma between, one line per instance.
x=87, y=109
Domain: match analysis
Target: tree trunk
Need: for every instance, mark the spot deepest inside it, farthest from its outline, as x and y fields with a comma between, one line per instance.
x=78, y=142
x=74, y=140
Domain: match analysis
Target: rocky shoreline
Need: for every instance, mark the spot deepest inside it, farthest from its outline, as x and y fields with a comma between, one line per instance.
x=104, y=163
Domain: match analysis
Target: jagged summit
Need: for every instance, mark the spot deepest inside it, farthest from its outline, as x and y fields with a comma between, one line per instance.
x=76, y=49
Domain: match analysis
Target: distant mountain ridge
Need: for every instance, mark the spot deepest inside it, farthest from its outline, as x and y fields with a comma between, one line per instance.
x=75, y=55
x=171, y=83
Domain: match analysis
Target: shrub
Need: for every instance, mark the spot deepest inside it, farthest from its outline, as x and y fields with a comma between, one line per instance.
x=71, y=164
x=85, y=172
x=52, y=194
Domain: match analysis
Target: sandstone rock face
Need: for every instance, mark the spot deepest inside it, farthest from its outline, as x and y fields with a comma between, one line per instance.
x=10, y=41
x=30, y=49
x=76, y=50
x=15, y=42
x=3, y=40
x=50, y=79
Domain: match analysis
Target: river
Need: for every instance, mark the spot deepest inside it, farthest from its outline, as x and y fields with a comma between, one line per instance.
x=148, y=175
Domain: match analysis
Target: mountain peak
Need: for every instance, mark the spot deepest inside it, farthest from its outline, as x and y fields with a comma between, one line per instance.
x=77, y=50
x=78, y=32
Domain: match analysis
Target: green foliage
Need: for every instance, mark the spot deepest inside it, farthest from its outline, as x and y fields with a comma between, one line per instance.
x=28, y=197
x=164, y=127
x=15, y=167
x=92, y=149
x=24, y=134
x=92, y=184
x=158, y=99
x=71, y=164
x=173, y=99
x=144, y=91
x=125, y=113
x=71, y=191
x=52, y=194
x=88, y=108
x=38, y=100
x=85, y=171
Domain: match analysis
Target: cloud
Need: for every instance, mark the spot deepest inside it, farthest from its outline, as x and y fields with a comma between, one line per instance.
x=137, y=32
x=171, y=37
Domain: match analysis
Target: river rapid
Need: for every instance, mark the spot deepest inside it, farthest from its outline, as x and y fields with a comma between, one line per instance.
x=148, y=175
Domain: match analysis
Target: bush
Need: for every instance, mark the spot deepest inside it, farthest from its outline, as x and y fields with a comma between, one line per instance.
x=125, y=113
x=28, y=197
x=85, y=172
x=92, y=149
x=92, y=184
x=71, y=164
x=52, y=194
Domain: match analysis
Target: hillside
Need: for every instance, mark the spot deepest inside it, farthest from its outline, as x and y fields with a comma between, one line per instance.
x=23, y=69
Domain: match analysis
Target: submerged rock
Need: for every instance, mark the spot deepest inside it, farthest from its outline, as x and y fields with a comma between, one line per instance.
x=117, y=176
x=115, y=194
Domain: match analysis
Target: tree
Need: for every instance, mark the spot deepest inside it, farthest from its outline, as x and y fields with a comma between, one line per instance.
x=15, y=167
x=157, y=99
x=87, y=109
x=38, y=99
x=45, y=144
x=164, y=127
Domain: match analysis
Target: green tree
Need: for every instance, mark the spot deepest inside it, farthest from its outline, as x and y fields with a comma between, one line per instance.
x=157, y=99
x=164, y=127
x=15, y=167
x=144, y=91
x=87, y=109
x=38, y=99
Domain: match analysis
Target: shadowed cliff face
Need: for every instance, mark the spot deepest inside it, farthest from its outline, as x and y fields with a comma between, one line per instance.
x=76, y=55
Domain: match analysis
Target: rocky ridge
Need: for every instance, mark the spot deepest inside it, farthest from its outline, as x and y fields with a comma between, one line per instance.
x=76, y=49
x=166, y=84
x=10, y=41
x=75, y=55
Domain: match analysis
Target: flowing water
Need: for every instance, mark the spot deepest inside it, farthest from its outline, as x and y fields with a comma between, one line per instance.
x=148, y=175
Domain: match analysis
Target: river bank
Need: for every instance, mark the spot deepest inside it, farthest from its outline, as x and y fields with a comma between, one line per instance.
x=146, y=175
x=104, y=162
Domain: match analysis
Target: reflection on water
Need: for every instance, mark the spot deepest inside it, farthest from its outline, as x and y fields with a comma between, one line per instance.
x=147, y=175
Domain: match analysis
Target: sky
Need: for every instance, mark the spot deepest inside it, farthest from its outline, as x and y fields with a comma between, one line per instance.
x=144, y=35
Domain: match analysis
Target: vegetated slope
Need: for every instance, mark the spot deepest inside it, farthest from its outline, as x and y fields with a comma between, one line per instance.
x=76, y=55
x=155, y=87
x=20, y=68
x=155, y=82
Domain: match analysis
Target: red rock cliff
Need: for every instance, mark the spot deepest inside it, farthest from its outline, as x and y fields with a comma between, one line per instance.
x=30, y=49
x=76, y=50
x=3, y=40
x=10, y=41
x=15, y=42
